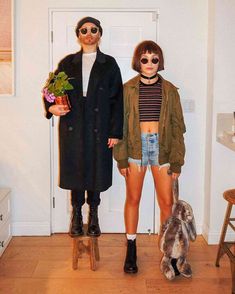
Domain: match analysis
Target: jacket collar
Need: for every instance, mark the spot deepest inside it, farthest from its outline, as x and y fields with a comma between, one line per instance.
x=100, y=57
x=134, y=82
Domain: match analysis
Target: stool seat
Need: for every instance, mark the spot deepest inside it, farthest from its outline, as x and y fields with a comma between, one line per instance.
x=229, y=195
x=225, y=247
x=88, y=244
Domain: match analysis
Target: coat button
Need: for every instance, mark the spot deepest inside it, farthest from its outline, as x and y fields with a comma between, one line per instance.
x=96, y=109
x=70, y=128
x=95, y=130
x=101, y=88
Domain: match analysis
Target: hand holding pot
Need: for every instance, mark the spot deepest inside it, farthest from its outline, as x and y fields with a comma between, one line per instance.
x=59, y=109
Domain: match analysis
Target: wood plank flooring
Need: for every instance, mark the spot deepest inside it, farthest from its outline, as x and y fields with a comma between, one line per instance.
x=44, y=265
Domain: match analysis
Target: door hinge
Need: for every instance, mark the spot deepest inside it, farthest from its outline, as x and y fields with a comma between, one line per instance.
x=53, y=202
x=51, y=36
x=52, y=121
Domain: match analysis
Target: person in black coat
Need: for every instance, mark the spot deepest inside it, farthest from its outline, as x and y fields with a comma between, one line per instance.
x=94, y=124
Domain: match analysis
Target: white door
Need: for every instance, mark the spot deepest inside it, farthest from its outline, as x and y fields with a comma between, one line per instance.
x=122, y=31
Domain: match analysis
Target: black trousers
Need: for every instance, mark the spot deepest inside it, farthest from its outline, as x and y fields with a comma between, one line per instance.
x=78, y=198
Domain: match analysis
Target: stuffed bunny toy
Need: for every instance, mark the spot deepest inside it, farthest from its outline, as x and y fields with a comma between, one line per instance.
x=178, y=230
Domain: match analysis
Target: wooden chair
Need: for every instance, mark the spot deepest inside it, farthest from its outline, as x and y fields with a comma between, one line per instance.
x=224, y=246
x=86, y=244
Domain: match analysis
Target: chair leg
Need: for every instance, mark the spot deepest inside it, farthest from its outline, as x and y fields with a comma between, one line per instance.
x=97, y=252
x=233, y=275
x=223, y=233
x=75, y=254
x=92, y=254
x=81, y=248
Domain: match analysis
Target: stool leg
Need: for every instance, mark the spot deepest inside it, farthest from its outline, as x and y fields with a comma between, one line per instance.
x=233, y=275
x=92, y=254
x=75, y=254
x=80, y=248
x=97, y=252
x=223, y=233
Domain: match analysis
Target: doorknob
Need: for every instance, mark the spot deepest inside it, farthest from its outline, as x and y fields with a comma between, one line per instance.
x=149, y=232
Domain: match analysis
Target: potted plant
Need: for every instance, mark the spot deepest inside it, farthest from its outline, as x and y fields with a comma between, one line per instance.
x=55, y=89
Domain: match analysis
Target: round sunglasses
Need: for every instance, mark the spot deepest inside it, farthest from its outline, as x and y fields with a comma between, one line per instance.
x=93, y=30
x=145, y=60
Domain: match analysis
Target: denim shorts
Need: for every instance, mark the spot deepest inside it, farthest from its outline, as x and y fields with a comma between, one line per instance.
x=150, y=151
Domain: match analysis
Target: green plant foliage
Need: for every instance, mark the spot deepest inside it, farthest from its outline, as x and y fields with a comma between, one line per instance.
x=58, y=84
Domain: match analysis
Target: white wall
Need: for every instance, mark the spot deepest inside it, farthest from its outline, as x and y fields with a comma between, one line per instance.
x=221, y=171
x=24, y=132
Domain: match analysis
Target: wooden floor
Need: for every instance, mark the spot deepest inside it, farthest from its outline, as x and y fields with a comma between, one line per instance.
x=44, y=265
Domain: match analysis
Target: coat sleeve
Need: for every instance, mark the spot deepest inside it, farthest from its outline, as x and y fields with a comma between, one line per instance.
x=177, y=152
x=47, y=104
x=120, y=151
x=116, y=104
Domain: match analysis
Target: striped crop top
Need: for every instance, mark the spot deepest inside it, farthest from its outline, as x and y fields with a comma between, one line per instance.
x=150, y=100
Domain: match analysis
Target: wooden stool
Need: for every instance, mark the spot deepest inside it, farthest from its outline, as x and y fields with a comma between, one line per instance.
x=225, y=247
x=92, y=249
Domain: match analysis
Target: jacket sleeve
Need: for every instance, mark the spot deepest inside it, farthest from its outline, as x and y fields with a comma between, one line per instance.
x=177, y=152
x=116, y=104
x=47, y=104
x=120, y=151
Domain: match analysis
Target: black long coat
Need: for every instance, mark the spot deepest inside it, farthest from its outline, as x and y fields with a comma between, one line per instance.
x=85, y=159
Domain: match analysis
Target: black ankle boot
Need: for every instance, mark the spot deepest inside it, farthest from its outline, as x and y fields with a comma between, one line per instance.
x=76, y=226
x=130, y=266
x=93, y=222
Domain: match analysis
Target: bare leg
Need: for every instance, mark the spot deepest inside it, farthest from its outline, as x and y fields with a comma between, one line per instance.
x=134, y=184
x=163, y=186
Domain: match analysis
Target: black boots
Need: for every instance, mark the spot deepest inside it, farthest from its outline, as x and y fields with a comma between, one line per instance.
x=93, y=222
x=76, y=226
x=130, y=266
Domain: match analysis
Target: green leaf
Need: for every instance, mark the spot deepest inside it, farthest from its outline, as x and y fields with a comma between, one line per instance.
x=51, y=75
x=60, y=74
x=58, y=84
x=69, y=87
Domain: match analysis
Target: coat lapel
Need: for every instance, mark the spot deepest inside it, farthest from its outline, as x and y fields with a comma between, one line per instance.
x=97, y=72
x=77, y=71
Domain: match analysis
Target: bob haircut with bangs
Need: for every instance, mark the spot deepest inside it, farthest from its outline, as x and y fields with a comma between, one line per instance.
x=144, y=47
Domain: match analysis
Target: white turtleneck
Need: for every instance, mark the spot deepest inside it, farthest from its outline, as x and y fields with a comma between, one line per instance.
x=88, y=60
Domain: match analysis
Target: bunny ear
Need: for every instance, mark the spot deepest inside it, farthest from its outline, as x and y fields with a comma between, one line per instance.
x=175, y=190
x=178, y=210
x=192, y=229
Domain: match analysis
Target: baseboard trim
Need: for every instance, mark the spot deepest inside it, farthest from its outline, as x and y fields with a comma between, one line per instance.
x=31, y=229
x=213, y=237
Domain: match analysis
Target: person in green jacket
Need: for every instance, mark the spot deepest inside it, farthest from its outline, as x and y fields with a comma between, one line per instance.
x=152, y=136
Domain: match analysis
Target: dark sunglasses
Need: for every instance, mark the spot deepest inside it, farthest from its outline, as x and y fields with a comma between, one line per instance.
x=93, y=30
x=144, y=60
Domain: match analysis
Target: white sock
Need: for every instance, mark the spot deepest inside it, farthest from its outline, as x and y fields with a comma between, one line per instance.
x=131, y=237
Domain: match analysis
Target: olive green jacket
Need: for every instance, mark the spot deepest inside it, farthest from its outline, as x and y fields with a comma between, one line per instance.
x=171, y=127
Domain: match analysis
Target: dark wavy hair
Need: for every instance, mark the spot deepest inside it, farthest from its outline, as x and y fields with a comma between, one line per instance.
x=150, y=47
